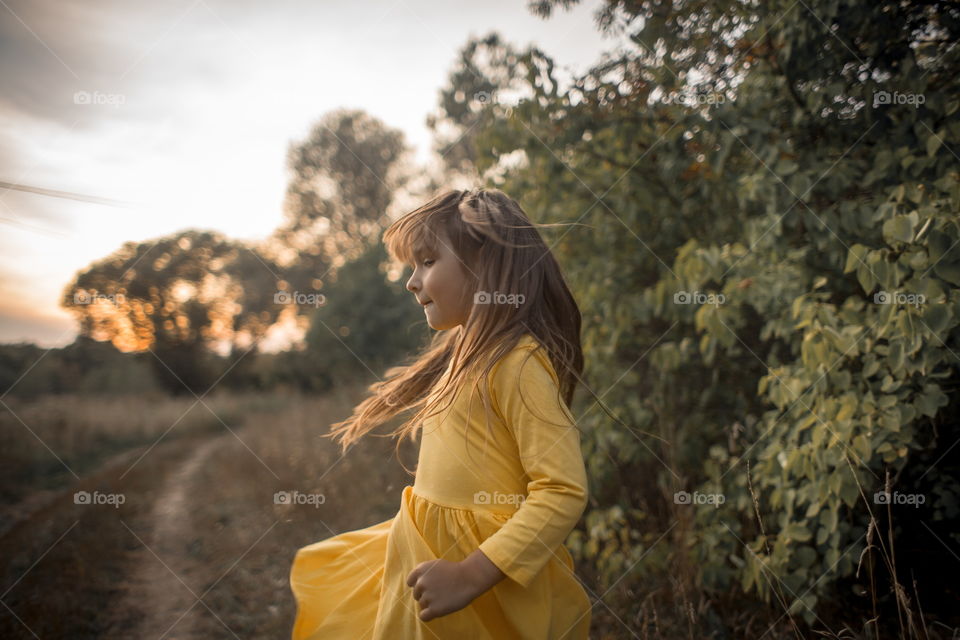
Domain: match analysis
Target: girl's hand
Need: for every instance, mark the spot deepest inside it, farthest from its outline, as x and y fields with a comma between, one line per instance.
x=442, y=587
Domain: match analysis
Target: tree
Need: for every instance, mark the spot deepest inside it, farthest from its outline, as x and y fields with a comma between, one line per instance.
x=343, y=178
x=752, y=178
x=191, y=293
x=488, y=70
x=179, y=296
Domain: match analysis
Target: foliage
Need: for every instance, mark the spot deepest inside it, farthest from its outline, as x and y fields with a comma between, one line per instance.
x=85, y=366
x=768, y=276
x=176, y=296
x=188, y=295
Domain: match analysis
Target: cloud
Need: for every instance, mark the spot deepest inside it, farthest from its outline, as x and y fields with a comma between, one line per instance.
x=46, y=52
x=189, y=106
x=83, y=65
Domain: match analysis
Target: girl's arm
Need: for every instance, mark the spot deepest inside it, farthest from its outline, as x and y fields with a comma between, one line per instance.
x=549, y=448
x=525, y=394
x=481, y=571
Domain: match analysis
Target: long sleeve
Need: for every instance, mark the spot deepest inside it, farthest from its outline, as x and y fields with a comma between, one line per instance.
x=524, y=389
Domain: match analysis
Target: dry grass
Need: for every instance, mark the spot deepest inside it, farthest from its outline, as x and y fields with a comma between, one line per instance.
x=44, y=442
x=84, y=571
x=70, y=569
x=246, y=563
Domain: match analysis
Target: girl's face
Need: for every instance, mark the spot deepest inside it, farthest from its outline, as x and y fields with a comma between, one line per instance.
x=440, y=282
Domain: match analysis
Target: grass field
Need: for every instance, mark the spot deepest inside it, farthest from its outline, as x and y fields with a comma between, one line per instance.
x=197, y=519
x=199, y=548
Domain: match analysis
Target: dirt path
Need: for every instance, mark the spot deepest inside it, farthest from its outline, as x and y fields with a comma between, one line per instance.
x=163, y=584
x=28, y=509
x=198, y=521
x=87, y=571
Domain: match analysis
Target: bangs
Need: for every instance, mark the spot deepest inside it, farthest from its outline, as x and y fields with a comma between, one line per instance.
x=421, y=231
x=410, y=239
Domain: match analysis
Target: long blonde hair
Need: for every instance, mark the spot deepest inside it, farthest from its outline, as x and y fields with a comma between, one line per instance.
x=502, y=253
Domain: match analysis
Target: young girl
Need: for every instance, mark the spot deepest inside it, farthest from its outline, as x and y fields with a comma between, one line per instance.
x=476, y=549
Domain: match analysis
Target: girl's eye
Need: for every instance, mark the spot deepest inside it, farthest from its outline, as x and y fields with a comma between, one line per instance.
x=427, y=263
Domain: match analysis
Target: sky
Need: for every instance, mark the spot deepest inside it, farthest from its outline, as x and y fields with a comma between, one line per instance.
x=178, y=114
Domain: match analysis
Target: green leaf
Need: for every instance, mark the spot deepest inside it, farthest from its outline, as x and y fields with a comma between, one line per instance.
x=847, y=407
x=798, y=532
x=949, y=271
x=934, y=142
x=849, y=492
x=895, y=356
x=890, y=419
x=822, y=534
x=828, y=518
x=861, y=445
x=936, y=316
x=931, y=400
x=866, y=278
x=836, y=481
x=938, y=243
x=855, y=257
x=899, y=229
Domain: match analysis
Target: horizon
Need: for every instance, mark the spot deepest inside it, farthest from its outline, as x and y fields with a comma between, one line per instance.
x=108, y=106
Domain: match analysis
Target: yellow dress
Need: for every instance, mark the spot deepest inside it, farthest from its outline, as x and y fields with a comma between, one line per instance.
x=517, y=504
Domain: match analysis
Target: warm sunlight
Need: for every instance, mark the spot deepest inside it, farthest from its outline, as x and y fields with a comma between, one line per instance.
x=515, y=319
x=182, y=118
